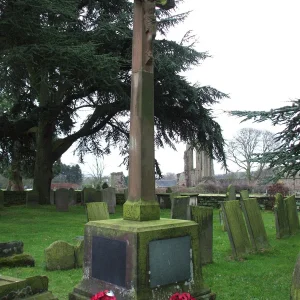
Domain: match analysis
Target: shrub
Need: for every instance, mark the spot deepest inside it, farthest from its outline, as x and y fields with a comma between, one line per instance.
x=278, y=188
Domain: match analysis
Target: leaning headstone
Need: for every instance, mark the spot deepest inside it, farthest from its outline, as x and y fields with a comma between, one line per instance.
x=109, y=196
x=204, y=217
x=34, y=288
x=79, y=252
x=236, y=228
x=60, y=255
x=1, y=200
x=292, y=214
x=295, y=289
x=255, y=224
x=62, y=199
x=97, y=211
x=281, y=219
x=91, y=195
x=244, y=194
x=181, y=208
x=11, y=248
x=32, y=199
x=231, y=193
x=52, y=197
x=72, y=197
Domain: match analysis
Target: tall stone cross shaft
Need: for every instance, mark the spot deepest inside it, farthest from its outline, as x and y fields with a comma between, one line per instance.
x=141, y=204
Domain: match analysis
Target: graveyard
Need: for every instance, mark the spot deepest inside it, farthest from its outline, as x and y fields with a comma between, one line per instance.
x=265, y=275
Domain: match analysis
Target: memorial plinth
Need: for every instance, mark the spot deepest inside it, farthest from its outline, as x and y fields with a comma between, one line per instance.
x=141, y=260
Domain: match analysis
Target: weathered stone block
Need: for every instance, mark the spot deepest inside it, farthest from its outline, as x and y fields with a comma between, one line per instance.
x=292, y=214
x=11, y=248
x=255, y=224
x=108, y=195
x=97, y=211
x=181, y=208
x=79, y=252
x=281, y=218
x=203, y=216
x=32, y=199
x=17, y=260
x=62, y=200
x=236, y=228
x=60, y=255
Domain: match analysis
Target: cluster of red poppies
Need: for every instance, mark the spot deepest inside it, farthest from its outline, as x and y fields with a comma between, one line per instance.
x=183, y=296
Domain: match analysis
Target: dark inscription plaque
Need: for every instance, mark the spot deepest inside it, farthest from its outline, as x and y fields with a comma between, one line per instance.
x=169, y=261
x=109, y=260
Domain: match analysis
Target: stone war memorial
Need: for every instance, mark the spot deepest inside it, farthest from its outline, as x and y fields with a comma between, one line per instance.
x=131, y=256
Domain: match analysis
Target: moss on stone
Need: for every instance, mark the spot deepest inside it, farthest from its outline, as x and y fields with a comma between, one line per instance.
x=97, y=211
x=17, y=260
x=79, y=252
x=292, y=214
x=141, y=210
x=281, y=218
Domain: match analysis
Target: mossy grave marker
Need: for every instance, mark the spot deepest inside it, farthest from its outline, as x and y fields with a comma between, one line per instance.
x=281, y=218
x=292, y=214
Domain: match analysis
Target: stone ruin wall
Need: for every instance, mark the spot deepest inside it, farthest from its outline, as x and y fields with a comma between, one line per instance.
x=192, y=176
x=118, y=180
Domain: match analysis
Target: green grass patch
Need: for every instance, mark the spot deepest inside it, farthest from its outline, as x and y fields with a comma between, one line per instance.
x=263, y=276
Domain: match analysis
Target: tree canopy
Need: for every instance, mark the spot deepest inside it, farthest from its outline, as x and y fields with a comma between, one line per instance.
x=59, y=57
x=285, y=158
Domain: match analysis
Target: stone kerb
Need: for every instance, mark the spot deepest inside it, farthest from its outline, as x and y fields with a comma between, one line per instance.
x=236, y=228
x=181, y=208
x=292, y=214
x=255, y=224
x=203, y=216
x=97, y=211
x=32, y=199
x=281, y=219
x=62, y=200
x=108, y=195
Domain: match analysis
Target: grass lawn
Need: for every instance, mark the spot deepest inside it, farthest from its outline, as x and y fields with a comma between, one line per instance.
x=262, y=276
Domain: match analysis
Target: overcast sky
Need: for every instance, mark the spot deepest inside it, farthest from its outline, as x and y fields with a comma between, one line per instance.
x=255, y=51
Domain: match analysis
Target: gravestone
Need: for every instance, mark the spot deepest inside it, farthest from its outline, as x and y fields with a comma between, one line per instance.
x=181, y=208
x=255, y=224
x=91, y=195
x=60, y=255
x=32, y=199
x=52, y=197
x=126, y=194
x=193, y=199
x=295, y=288
x=97, y=211
x=231, y=193
x=221, y=219
x=79, y=252
x=108, y=195
x=236, y=228
x=244, y=194
x=72, y=197
x=62, y=200
x=281, y=219
x=203, y=216
x=1, y=199
x=33, y=288
x=167, y=201
x=292, y=214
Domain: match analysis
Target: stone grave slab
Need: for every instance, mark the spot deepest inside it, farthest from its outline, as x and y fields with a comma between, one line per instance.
x=17, y=260
x=231, y=193
x=236, y=228
x=255, y=224
x=281, y=219
x=108, y=195
x=52, y=197
x=97, y=211
x=91, y=195
x=244, y=194
x=203, y=216
x=292, y=214
x=32, y=199
x=1, y=199
x=181, y=208
x=62, y=200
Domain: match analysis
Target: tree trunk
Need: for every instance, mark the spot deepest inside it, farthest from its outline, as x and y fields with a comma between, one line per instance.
x=43, y=163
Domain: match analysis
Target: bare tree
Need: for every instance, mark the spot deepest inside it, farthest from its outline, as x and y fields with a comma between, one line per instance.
x=96, y=172
x=243, y=148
